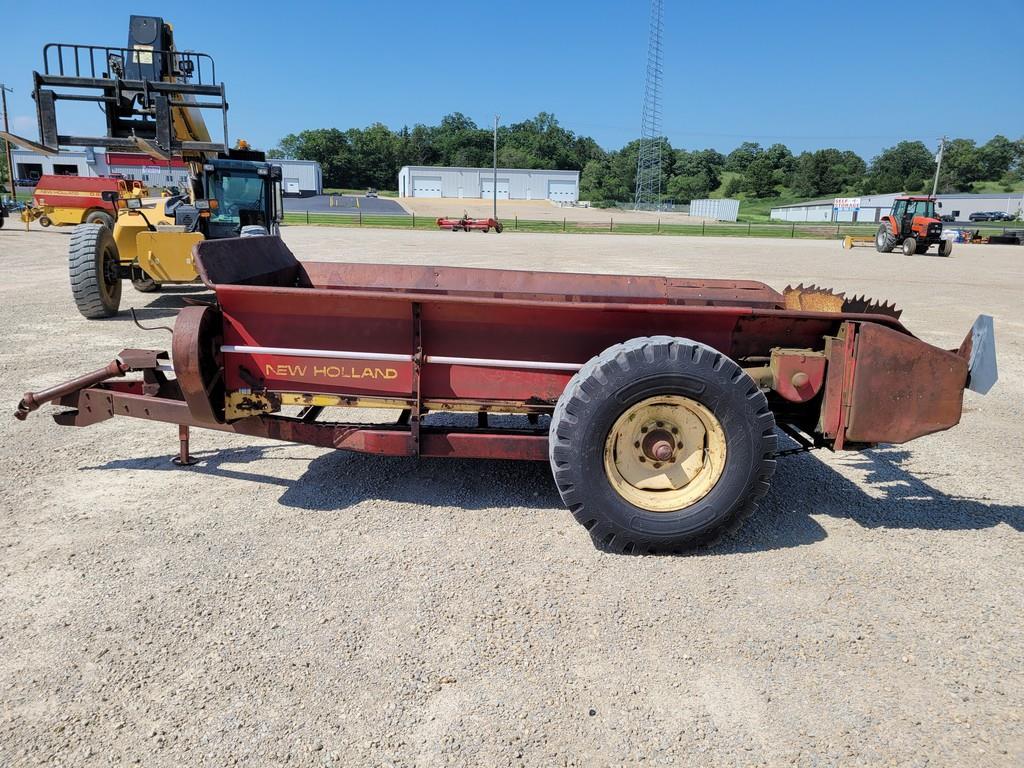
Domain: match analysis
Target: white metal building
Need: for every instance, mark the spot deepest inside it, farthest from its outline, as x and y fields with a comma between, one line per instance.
x=513, y=183
x=721, y=209
x=300, y=177
x=870, y=208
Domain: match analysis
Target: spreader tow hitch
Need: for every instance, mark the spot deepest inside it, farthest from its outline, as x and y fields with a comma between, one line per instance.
x=129, y=360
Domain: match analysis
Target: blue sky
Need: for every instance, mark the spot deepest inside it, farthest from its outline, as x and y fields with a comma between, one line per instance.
x=858, y=76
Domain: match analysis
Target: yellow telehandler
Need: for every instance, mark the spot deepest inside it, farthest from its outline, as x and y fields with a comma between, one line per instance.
x=153, y=98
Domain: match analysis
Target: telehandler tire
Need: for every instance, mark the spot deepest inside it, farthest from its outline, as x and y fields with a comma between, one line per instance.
x=100, y=217
x=94, y=271
x=884, y=239
x=661, y=444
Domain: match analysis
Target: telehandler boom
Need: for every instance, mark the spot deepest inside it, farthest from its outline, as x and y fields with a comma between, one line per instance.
x=153, y=98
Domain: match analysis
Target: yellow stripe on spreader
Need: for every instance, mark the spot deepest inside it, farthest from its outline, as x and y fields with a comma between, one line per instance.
x=66, y=193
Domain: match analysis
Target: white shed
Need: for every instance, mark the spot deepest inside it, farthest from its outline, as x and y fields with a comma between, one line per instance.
x=512, y=183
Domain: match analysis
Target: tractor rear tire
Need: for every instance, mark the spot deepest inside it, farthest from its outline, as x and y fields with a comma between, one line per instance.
x=909, y=246
x=885, y=241
x=100, y=217
x=94, y=271
x=499, y=227
x=945, y=247
x=707, y=416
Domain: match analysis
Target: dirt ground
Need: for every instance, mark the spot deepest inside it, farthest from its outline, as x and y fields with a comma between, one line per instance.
x=536, y=210
x=281, y=604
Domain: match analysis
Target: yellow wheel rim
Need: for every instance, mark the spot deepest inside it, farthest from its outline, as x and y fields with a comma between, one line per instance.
x=665, y=453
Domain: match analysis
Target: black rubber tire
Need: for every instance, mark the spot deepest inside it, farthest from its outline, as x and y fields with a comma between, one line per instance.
x=499, y=227
x=100, y=217
x=909, y=246
x=145, y=285
x=628, y=373
x=884, y=239
x=253, y=230
x=44, y=221
x=945, y=248
x=91, y=250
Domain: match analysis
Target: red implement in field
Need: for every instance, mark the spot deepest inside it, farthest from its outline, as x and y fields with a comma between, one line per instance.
x=660, y=397
x=465, y=223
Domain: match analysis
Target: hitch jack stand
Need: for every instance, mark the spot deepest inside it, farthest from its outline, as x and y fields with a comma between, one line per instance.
x=183, y=459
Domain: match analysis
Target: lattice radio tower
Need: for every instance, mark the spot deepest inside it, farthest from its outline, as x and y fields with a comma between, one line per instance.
x=648, y=164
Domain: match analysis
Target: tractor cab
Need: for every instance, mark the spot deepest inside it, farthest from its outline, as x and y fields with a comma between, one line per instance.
x=913, y=214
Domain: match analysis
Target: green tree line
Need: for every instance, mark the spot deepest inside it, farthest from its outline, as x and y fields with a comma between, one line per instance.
x=372, y=156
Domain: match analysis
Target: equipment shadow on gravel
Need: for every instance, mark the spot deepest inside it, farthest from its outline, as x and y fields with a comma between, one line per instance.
x=166, y=304
x=803, y=487
x=891, y=497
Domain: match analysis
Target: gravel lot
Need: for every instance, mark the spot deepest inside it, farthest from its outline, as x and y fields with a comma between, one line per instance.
x=283, y=604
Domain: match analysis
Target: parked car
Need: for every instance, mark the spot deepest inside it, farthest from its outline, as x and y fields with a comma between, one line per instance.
x=949, y=217
x=980, y=216
x=371, y=192
x=1000, y=216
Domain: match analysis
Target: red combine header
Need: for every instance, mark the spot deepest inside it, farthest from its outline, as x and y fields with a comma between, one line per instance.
x=465, y=223
x=655, y=400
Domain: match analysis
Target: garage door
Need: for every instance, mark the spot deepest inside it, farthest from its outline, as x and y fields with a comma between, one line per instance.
x=487, y=189
x=564, y=191
x=291, y=187
x=426, y=186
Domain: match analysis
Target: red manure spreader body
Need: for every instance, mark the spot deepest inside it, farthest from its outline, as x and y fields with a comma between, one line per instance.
x=656, y=400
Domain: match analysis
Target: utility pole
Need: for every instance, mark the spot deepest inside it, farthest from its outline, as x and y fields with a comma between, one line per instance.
x=7, y=145
x=494, y=183
x=938, y=165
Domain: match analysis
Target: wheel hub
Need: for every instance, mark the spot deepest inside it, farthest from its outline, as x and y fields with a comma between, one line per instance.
x=665, y=453
x=658, y=445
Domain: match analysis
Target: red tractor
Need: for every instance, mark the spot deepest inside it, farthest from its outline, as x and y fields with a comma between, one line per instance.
x=912, y=225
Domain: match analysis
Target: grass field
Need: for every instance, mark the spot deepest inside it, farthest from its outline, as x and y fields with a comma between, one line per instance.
x=821, y=231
